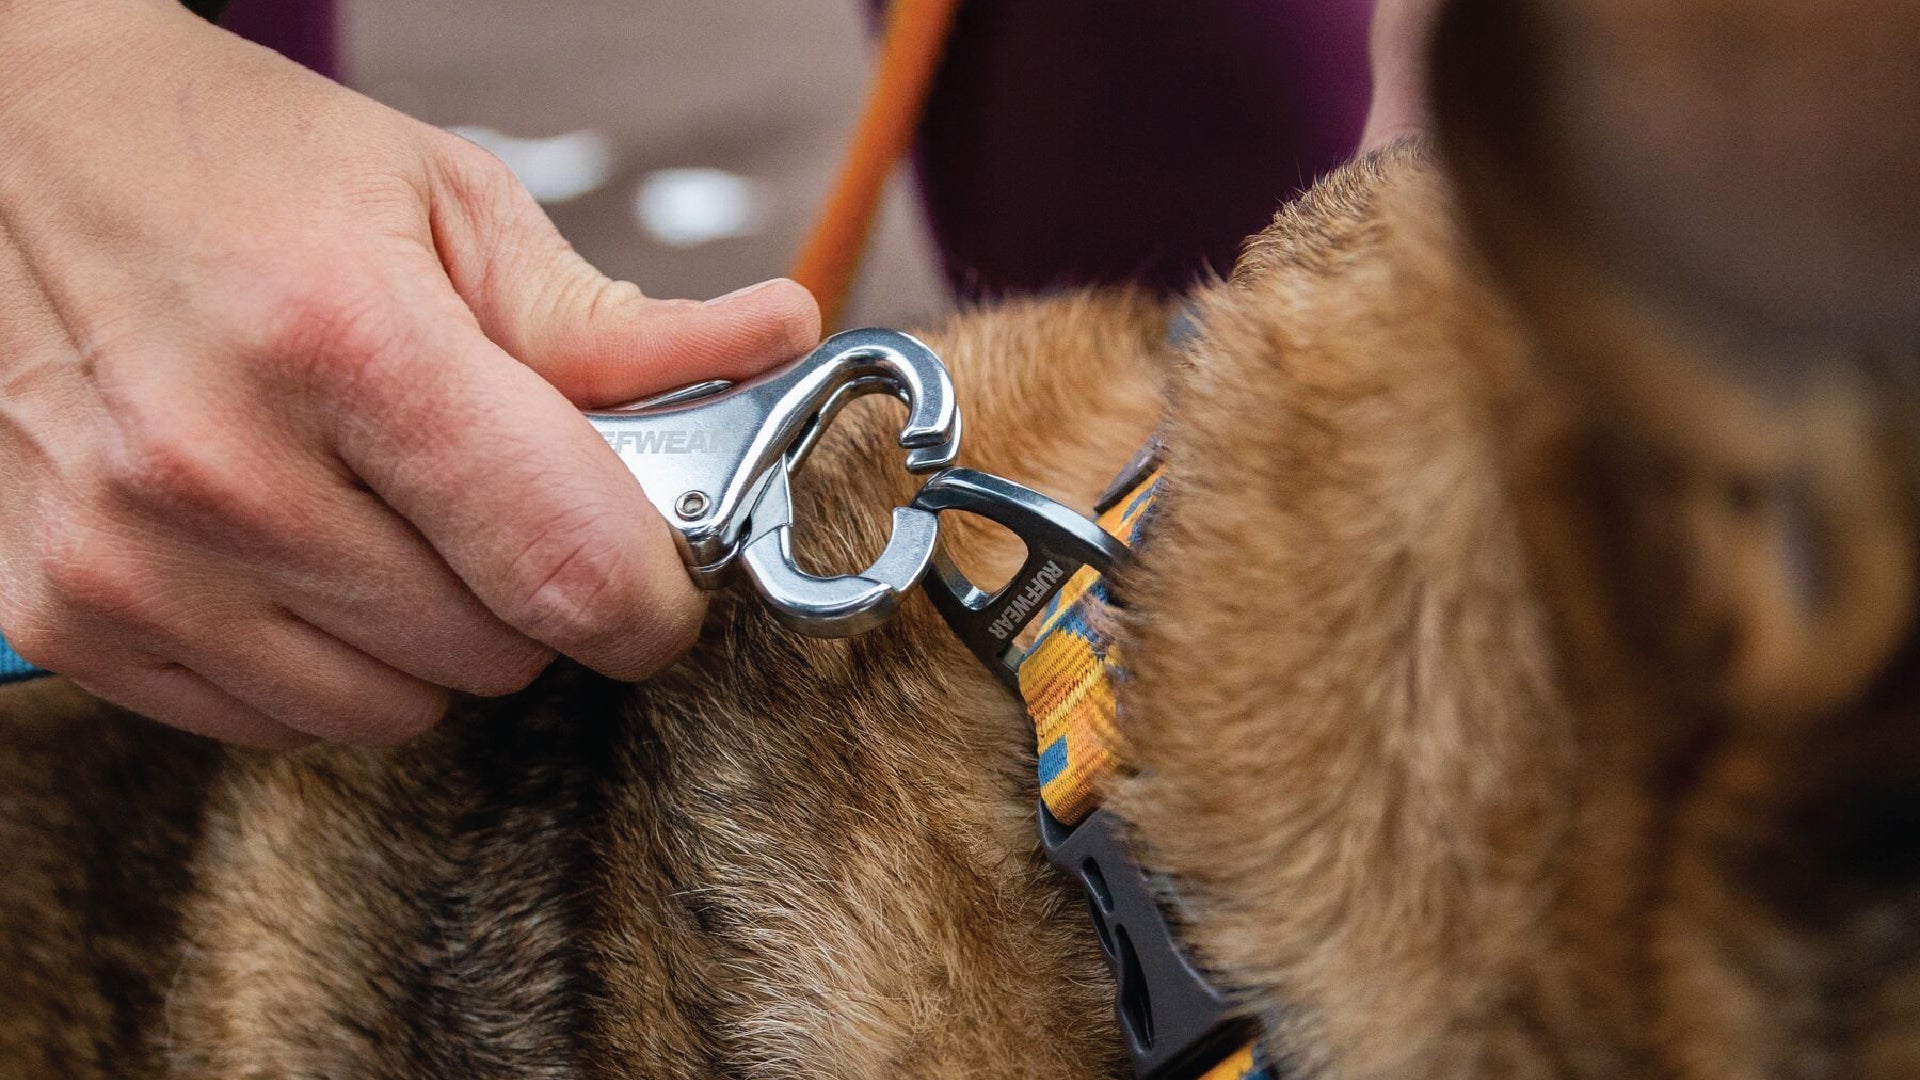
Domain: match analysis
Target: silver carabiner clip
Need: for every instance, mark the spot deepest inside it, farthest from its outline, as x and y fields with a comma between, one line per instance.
x=715, y=460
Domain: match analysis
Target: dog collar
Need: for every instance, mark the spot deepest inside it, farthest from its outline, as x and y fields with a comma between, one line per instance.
x=1176, y=1023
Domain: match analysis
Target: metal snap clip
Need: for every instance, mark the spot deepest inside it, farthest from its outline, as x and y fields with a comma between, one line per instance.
x=715, y=459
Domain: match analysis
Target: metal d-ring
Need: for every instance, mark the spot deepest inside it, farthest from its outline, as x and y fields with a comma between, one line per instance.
x=1059, y=542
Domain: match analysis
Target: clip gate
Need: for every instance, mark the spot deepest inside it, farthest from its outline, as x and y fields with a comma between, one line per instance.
x=715, y=460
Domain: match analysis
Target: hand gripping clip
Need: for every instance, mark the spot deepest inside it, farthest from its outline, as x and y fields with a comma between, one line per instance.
x=715, y=459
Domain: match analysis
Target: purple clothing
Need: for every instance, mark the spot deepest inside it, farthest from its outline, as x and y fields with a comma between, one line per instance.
x=302, y=30
x=1088, y=141
x=1098, y=141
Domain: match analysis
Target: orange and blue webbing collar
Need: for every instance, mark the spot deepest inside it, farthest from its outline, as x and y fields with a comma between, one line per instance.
x=1177, y=1025
x=1069, y=671
x=1068, y=679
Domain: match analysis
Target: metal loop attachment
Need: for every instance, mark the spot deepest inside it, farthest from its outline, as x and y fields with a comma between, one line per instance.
x=715, y=460
x=1059, y=542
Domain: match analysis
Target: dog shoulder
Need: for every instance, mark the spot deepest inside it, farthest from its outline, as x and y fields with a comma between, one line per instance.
x=1341, y=701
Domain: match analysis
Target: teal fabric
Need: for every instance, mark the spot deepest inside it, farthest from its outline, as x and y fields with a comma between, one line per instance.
x=14, y=669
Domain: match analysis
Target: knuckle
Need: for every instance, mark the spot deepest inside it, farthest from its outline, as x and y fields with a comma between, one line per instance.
x=566, y=586
x=89, y=577
x=172, y=466
x=612, y=310
x=501, y=217
x=611, y=304
x=478, y=176
x=339, y=334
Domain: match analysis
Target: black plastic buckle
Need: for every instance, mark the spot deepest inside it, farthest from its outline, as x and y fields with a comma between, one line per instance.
x=1176, y=1024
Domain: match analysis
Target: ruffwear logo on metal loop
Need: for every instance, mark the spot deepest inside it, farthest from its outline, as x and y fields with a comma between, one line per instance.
x=1014, y=615
x=656, y=441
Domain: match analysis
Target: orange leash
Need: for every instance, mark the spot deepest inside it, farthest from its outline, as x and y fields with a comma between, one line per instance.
x=910, y=53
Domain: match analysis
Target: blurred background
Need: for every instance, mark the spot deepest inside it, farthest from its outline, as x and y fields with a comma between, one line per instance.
x=685, y=144
x=680, y=144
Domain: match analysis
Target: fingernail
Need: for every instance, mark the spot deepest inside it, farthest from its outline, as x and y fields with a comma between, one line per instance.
x=748, y=291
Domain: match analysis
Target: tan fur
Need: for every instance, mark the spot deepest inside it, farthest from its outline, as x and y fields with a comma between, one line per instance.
x=1389, y=748
x=1560, y=721
x=1523, y=671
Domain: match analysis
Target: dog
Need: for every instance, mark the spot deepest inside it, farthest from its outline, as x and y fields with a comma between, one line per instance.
x=1521, y=668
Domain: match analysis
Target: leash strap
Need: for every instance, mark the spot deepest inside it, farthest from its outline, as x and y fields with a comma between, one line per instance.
x=910, y=55
x=13, y=668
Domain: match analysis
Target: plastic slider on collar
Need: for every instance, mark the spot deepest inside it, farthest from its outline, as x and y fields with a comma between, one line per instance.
x=1176, y=1023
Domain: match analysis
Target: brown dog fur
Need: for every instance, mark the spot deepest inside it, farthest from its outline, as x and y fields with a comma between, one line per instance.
x=1563, y=721
x=1522, y=675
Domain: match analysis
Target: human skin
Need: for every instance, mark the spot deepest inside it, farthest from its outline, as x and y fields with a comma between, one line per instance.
x=1397, y=50
x=289, y=390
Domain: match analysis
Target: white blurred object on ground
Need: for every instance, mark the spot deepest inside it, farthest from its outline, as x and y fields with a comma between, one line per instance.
x=685, y=208
x=765, y=89
x=555, y=169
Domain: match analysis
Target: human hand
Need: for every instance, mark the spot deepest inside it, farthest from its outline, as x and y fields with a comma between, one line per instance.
x=289, y=439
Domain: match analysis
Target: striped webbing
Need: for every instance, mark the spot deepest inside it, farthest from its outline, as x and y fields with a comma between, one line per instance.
x=1067, y=678
x=1243, y=1064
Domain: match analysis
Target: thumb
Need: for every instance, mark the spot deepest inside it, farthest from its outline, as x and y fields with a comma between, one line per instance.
x=600, y=342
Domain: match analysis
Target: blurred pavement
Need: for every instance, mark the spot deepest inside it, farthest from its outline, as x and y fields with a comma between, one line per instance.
x=766, y=90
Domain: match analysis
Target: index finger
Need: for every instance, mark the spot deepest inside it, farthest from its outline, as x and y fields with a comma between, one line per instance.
x=521, y=497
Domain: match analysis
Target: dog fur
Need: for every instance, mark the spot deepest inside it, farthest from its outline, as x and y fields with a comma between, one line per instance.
x=1562, y=721
x=1522, y=674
